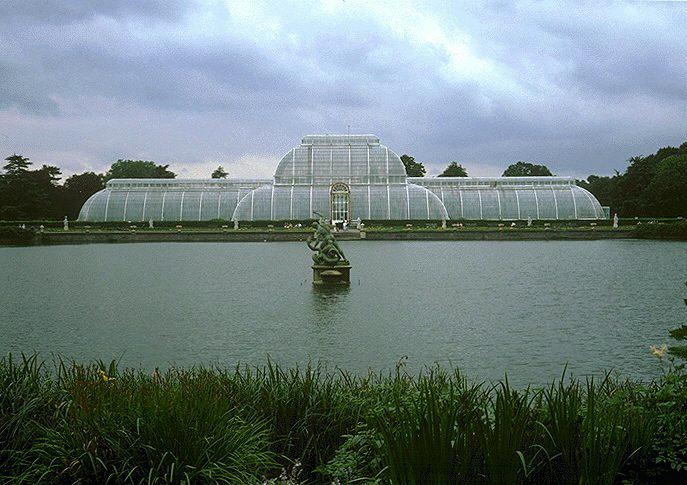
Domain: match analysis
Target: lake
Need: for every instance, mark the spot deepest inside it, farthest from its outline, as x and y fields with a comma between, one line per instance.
x=525, y=308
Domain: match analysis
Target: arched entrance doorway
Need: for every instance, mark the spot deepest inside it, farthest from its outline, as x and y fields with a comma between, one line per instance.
x=340, y=203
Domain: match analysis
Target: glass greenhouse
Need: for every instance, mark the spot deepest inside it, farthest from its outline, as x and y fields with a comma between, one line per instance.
x=342, y=177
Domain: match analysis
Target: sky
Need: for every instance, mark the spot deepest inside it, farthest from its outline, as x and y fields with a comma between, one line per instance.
x=580, y=87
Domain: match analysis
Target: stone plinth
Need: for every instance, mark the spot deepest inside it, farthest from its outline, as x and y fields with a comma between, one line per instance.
x=331, y=275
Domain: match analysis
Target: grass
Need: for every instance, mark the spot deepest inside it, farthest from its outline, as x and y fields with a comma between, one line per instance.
x=95, y=423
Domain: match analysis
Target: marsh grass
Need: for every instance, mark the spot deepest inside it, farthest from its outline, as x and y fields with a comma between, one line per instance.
x=95, y=423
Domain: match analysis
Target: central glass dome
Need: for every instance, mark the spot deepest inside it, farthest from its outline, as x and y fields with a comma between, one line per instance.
x=369, y=178
x=327, y=159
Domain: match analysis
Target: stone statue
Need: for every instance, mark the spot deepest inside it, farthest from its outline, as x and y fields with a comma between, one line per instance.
x=66, y=223
x=615, y=221
x=529, y=221
x=150, y=224
x=327, y=250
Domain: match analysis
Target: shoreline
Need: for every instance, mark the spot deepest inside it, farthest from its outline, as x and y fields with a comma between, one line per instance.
x=110, y=237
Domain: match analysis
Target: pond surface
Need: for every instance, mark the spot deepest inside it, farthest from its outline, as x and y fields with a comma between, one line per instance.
x=525, y=308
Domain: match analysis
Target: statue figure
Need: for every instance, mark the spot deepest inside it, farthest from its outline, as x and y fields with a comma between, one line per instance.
x=328, y=252
x=66, y=223
x=150, y=224
x=615, y=221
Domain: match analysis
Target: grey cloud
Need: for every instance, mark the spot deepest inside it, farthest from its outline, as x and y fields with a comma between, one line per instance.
x=569, y=95
x=60, y=12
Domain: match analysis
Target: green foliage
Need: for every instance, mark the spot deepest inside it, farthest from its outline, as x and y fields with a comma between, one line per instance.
x=357, y=458
x=413, y=168
x=97, y=423
x=454, y=170
x=84, y=185
x=27, y=194
x=651, y=186
x=16, y=165
x=16, y=235
x=674, y=230
x=138, y=169
x=679, y=334
x=93, y=424
x=526, y=169
x=667, y=403
x=219, y=173
x=431, y=435
x=668, y=188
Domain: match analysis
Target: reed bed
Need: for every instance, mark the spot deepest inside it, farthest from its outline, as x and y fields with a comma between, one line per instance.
x=66, y=422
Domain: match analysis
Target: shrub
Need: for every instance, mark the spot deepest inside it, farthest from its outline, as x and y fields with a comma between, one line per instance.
x=16, y=235
x=674, y=230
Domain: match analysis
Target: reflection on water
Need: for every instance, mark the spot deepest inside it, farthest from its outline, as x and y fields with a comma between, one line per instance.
x=330, y=293
x=526, y=308
x=328, y=302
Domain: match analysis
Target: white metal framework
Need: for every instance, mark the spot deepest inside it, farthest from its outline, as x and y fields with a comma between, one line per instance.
x=340, y=199
x=310, y=178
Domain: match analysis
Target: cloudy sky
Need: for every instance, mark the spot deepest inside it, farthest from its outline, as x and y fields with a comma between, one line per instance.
x=201, y=83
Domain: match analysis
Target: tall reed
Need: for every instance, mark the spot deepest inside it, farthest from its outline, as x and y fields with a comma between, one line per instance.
x=96, y=423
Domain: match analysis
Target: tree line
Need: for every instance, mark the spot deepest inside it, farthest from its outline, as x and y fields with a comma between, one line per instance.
x=454, y=169
x=651, y=186
x=37, y=194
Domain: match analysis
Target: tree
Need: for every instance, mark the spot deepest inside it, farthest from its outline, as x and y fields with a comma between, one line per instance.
x=605, y=189
x=526, y=169
x=634, y=182
x=77, y=189
x=666, y=194
x=29, y=194
x=454, y=170
x=138, y=169
x=50, y=173
x=16, y=164
x=653, y=185
x=84, y=184
x=413, y=168
x=219, y=173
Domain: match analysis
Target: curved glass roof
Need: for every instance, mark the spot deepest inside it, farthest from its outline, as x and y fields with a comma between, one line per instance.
x=352, y=159
x=553, y=202
x=513, y=198
x=166, y=200
x=379, y=190
x=369, y=202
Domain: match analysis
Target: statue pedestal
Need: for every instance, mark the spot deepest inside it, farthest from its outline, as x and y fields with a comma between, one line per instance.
x=331, y=275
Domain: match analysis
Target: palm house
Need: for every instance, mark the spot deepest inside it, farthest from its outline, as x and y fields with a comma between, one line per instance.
x=342, y=177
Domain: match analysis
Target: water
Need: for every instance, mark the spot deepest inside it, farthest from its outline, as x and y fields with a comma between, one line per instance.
x=526, y=308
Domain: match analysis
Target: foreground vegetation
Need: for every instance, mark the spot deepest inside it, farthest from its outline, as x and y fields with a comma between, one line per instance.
x=95, y=423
